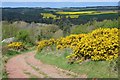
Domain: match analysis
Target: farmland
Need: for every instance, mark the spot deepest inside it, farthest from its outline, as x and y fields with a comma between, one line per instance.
x=87, y=12
x=75, y=14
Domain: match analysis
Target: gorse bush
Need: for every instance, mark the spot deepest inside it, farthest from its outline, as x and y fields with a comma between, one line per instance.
x=100, y=44
x=69, y=41
x=16, y=46
x=44, y=43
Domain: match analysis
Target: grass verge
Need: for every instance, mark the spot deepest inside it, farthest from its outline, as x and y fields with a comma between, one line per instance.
x=93, y=69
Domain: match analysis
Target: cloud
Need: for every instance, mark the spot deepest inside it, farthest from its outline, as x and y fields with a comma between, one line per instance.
x=60, y=0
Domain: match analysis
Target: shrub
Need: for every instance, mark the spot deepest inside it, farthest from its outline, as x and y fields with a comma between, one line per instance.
x=90, y=26
x=44, y=43
x=16, y=46
x=69, y=41
x=23, y=36
x=101, y=44
x=58, y=34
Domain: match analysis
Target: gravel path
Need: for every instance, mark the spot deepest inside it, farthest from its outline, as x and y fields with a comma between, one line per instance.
x=26, y=66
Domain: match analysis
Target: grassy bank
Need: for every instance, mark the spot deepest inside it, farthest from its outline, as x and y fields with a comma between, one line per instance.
x=93, y=69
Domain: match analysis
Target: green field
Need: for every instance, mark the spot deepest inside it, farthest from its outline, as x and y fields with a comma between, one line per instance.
x=48, y=15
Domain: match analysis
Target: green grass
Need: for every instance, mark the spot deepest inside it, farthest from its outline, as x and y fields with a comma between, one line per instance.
x=98, y=69
x=12, y=53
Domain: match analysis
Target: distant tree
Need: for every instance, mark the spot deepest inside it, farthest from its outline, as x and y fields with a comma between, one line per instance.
x=64, y=24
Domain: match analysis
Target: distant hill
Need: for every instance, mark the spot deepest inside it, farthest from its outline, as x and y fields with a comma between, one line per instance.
x=34, y=14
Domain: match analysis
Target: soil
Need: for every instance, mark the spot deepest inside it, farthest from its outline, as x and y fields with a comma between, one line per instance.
x=27, y=66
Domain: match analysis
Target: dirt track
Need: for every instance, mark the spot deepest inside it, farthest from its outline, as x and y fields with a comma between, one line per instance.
x=26, y=66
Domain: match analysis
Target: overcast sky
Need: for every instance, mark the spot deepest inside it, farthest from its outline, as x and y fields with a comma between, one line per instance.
x=59, y=0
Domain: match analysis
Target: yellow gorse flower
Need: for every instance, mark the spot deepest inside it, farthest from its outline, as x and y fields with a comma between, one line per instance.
x=100, y=44
x=15, y=45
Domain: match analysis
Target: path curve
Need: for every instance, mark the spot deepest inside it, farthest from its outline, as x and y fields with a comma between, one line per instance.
x=26, y=66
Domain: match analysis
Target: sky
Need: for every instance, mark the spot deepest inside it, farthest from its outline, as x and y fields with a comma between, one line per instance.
x=58, y=3
x=59, y=0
